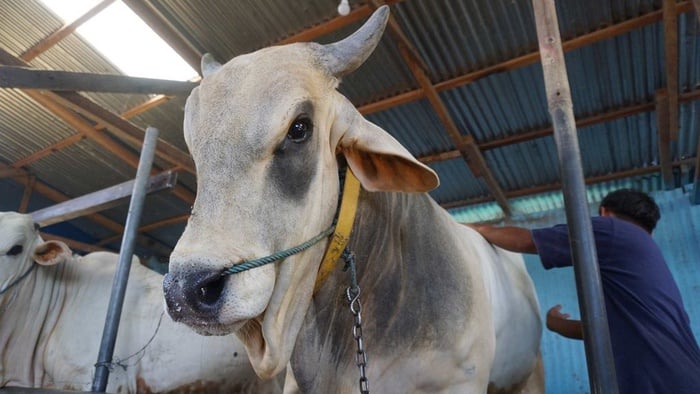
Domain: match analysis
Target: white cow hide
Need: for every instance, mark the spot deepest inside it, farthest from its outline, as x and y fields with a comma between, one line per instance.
x=443, y=311
x=51, y=324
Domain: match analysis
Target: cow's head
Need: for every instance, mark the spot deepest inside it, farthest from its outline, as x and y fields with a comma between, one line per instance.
x=264, y=131
x=21, y=247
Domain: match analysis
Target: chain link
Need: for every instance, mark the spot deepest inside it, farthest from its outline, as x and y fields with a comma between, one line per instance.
x=353, y=296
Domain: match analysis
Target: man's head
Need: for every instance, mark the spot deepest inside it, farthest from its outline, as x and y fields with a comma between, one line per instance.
x=633, y=206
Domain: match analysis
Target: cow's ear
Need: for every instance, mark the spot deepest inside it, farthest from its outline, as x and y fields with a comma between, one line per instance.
x=51, y=253
x=380, y=162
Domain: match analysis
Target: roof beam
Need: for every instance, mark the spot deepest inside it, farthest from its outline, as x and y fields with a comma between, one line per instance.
x=663, y=121
x=87, y=130
x=57, y=103
x=122, y=128
x=670, y=24
x=75, y=138
x=557, y=185
x=68, y=29
x=27, y=78
x=145, y=106
x=100, y=200
x=28, y=190
x=118, y=126
x=524, y=60
x=156, y=246
x=363, y=11
x=465, y=144
x=10, y=172
x=548, y=131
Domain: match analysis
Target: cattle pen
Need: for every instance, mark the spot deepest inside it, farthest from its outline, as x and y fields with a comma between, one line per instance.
x=529, y=112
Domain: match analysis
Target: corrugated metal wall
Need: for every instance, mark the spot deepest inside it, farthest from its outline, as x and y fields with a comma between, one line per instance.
x=678, y=235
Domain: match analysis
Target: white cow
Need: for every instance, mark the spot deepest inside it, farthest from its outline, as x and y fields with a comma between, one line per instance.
x=52, y=313
x=442, y=310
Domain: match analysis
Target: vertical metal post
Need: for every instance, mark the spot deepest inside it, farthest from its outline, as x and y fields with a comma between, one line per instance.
x=114, y=311
x=599, y=358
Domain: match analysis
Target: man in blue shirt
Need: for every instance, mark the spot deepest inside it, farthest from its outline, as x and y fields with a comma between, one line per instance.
x=652, y=343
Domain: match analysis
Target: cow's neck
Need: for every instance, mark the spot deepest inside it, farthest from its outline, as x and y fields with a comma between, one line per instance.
x=401, y=242
x=32, y=308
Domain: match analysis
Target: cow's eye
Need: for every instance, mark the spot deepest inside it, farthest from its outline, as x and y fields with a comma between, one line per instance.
x=300, y=130
x=15, y=250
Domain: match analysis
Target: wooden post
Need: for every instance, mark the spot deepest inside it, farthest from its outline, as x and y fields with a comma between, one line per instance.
x=670, y=23
x=695, y=196
x=663, y=132
x=28, y=190
x=601, y=368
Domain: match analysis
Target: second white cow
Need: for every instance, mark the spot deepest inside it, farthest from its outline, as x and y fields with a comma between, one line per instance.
x=52, y=312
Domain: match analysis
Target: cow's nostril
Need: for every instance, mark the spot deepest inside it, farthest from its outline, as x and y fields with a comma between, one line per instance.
x=210, y=290
x=198, y=294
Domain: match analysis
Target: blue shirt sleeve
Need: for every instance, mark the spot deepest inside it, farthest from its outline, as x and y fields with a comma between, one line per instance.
x=552, y=245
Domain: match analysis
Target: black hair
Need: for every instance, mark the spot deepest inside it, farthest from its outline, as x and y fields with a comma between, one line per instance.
x=634, y=206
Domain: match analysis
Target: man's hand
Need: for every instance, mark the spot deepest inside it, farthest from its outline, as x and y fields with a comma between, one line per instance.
x=554, y=316
x=559, y=322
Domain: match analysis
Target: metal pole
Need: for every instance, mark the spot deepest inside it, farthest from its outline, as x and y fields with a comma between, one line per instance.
x=599, y=358
x=114, y=311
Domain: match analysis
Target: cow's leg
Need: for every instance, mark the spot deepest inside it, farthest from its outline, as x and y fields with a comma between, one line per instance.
x=290, y=383
x=535, y=383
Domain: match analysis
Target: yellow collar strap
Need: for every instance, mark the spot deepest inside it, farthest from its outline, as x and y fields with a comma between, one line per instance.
x=341, y=235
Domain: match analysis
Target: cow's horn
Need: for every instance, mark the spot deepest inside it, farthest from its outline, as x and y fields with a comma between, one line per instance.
x=209, y=65
x=344, y=56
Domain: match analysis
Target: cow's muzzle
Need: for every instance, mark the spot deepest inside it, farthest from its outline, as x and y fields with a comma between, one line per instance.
x=194, y=297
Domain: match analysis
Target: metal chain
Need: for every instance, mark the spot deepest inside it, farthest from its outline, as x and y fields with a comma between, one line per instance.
x=353, y=296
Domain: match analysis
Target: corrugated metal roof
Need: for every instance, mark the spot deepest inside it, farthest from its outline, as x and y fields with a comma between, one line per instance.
x=17, y=32
x=453, y=37
x=23, y=135
x=415, y=126
x=98, y=169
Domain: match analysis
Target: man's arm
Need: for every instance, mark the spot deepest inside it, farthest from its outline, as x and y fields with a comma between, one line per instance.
x=562, y=325
x=515, y=239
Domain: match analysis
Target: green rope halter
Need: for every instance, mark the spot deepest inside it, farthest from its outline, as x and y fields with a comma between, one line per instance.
x=246, y=265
